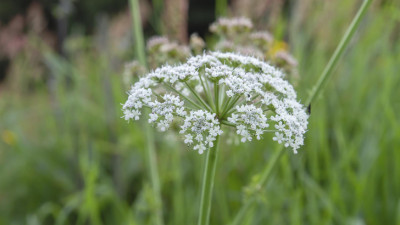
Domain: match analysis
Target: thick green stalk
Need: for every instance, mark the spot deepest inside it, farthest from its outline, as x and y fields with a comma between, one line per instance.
x=138, y=32
x=338, y=52
x=208, y=183
x=151, y=153
x=315, y=91
x=221, y=7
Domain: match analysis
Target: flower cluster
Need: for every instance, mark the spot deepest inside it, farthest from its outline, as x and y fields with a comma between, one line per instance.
x=220, y=89
x=131, y=70
x=237, y=35
x=203, y=127
x=163, y=112
x=251, y=121
x=136, y=100
x=225, y=26
x=161, y=50
x=197, y=44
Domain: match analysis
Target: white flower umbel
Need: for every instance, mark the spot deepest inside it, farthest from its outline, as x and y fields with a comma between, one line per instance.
x=251, y=121
x=231, y=25
x=220, y=89
x=163, y=112
x=201, y=127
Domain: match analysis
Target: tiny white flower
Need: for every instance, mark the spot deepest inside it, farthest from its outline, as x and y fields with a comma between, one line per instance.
x=278, y=137
x=229, y=93
x=188, y=139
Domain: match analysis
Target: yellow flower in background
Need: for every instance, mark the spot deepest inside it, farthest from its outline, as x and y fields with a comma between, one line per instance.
x=277, y=46
x=9, y=137
x=281, y=57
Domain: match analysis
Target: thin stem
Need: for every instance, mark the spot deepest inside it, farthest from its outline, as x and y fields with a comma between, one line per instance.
x=207, y=84
x=232, y=103
x=208, y=183
x=221, y=96
x=207, y=91
x=314, y=93
x=158, y=95
x=338, y=52
x=154, y=176
x=226, y=104
x=183, y=96
x=161, y=97
x=137, y=32
x=252, y=99
x=227, y=123
x=216, y=97
x=231, y=109
x=198, y=97
x=243, y=210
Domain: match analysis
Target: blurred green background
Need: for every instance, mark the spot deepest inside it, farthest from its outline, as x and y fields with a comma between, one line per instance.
x=66, y=156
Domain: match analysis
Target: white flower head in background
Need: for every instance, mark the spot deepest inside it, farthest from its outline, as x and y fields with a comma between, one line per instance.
x=161, y=50
x=220, y=89
x=230, y=25
x=131, y=70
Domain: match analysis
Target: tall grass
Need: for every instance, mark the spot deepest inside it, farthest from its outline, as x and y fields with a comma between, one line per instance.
x=60, y=171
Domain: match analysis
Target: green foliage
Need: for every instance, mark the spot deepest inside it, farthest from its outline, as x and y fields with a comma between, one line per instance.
x=67, y=158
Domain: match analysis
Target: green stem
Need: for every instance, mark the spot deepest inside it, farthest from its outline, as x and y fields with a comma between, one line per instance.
x=221, y=7
x=226, y=104
x=207, y=92
x=154, y=176
x=137, y=32
x=230, y=106
x=208, y=183
x=183, y=96
x=338, y=52
x=216, y=97
x=198, y=97
x=314, y=93
x=221, y=97
x=227, y=123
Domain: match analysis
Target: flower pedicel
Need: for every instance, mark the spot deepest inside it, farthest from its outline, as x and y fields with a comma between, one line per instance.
x=220, y=89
